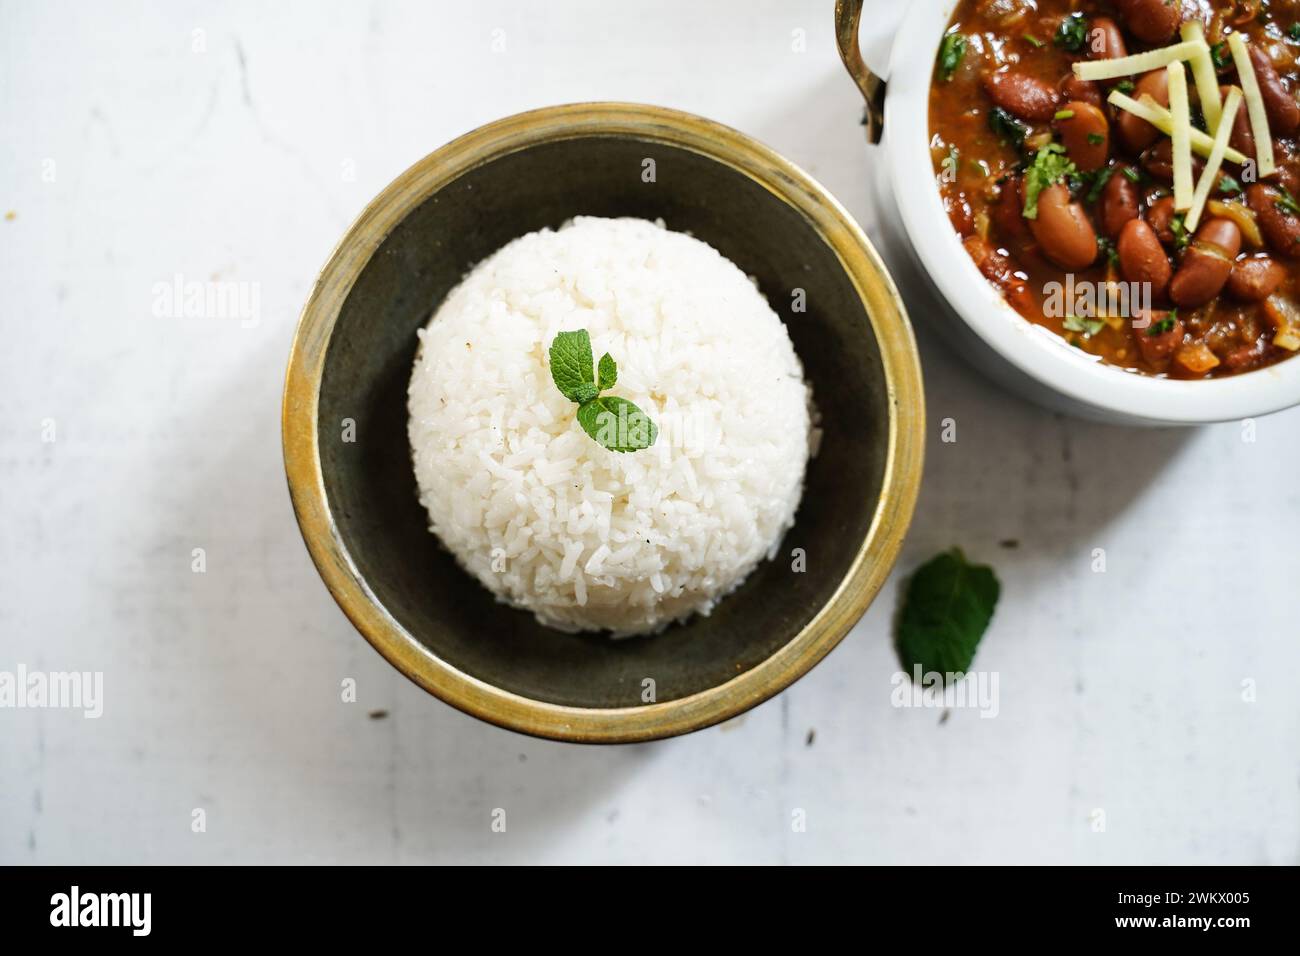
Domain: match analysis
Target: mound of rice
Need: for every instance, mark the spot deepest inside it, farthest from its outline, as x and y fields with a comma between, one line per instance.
x=535, y=509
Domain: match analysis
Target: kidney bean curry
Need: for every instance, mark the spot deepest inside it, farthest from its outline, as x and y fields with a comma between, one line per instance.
x=1126, y=173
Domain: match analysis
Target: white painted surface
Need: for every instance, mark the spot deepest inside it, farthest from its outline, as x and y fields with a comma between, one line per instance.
x=1120, y=691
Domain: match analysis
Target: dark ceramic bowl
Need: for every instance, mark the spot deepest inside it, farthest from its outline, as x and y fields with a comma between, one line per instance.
x=349, y=463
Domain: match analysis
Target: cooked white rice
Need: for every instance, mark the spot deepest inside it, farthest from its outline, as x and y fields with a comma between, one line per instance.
x=543, y=516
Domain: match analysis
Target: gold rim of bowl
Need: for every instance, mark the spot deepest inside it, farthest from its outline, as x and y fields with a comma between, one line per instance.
x=875, y=557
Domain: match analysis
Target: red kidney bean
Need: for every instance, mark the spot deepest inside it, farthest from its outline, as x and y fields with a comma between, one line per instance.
x=1141, y=257
x=1063, y=230
x=1255, y=279
x=1007, y=212
x=1105, y=40
x=1161, y=216
x=1159, y=162
x=995, y=267
x=1157, y=348
x=1085, y=135
x=1073, y=88
x=1135, y=133
x=1151, y=20
x=1287, y=176
x=1206, y=264
x=1242, y=138
x=1119, y=203
x=1281, y=107
x=1022, y=95
x=1281, y=228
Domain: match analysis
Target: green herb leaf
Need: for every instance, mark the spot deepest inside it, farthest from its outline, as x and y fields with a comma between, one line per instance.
x=1164, y=325
x=617, y=424
x=1132, y=175
x=571, y=364
x=946, y=610
x=1220, y=55
x=1096, y=139
x=1294, y=31
x=1176, y=226
x=1286, y=202
x=1099, y=180
x=1033, y=40
x=1050, y=166
x=608, y=372
x=1063, y=115
x=1088, y=327
x=1007, y=127
x=1126, y=86
x=1228, y=185
x=1072, y=33
x=1108, y=249
x=951, y=50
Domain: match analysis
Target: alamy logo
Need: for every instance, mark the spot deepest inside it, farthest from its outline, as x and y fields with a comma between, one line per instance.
x=102, y=909
x=71, y=690
x=182, y=299
x=974, y=689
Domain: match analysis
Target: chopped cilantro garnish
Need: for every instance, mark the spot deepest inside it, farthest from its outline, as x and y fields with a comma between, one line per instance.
x=1286, y=202
x=1181, y=238
x=1050, y=166
x=1099, y=180
x=1108, y=250
x=1007, y=126
x=951, y=50
x=1072, y=33
x=1088, y=327
x=1160, y=328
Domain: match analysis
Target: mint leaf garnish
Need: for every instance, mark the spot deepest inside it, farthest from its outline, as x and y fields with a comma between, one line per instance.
x=613, y=422
x=617, y=424
x=946, y=609
x=608, y=372
x=571, y=364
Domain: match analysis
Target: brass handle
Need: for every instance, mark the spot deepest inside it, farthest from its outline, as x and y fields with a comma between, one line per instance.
x=848, y=18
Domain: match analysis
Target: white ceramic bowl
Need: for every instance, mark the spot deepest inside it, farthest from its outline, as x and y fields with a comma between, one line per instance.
x=1027, y=358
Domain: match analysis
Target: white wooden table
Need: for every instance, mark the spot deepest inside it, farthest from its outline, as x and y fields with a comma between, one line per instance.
x=233, y=143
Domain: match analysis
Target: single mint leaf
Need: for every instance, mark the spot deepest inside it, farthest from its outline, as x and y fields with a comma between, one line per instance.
x=946, y=609
x=617, y=424
x=608, y=372
x=571, y=363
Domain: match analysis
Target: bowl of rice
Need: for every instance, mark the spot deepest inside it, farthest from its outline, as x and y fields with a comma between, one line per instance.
x=603, y=423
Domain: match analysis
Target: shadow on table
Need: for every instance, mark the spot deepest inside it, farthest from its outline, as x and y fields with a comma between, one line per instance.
x=1013, y=472
x=399, y=776
x=395, y=776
